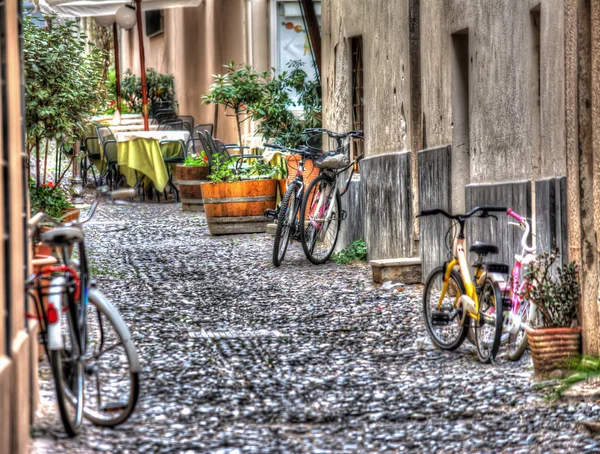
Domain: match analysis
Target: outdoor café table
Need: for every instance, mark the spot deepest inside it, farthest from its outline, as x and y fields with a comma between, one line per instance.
x=130, y=127
x=139, y=152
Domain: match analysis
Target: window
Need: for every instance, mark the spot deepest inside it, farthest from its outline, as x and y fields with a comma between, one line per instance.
x=358, y=99
x=289, y=37
x=154, y=23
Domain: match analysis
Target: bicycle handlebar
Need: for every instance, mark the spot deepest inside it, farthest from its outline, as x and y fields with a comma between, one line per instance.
x=514, y=215
x=357, y=133
x=102, y=192
x=484, y=209
x=524, y=225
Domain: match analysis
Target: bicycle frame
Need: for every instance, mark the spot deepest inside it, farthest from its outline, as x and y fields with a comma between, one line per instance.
x=460, y=260
x=526, y=257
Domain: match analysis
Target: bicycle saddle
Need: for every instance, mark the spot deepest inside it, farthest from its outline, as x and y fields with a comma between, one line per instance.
x=483, y=248
x=62, y=236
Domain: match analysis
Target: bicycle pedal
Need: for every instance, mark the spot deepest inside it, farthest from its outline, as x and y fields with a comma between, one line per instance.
x=271, y=214
x=507, y=304
x=440, y=319
x=343, y=215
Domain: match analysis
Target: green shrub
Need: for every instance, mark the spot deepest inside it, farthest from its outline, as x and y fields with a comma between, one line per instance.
x=161, y=87
x=354, y=252
x=48, y=199
x=200, y=160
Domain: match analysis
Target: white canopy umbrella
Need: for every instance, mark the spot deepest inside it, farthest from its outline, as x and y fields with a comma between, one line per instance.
x=92, y=8
x=86, y=8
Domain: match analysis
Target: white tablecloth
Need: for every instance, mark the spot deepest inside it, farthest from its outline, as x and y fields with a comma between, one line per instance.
x=156, y=135
x=131, y=127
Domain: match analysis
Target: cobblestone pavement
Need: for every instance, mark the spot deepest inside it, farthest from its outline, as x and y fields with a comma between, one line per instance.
x=238, y=356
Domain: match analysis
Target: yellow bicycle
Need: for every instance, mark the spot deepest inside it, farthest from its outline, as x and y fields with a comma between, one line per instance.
x=453, y=303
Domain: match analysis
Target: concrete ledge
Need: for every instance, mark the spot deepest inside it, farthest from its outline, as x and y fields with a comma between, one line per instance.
x=271, y=229
x=405, y=270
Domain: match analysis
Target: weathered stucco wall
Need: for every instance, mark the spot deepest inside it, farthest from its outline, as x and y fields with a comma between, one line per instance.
x=383, y=26
x=511, y=135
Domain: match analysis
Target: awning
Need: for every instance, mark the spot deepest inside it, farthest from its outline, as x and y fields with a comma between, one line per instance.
x=87, y=8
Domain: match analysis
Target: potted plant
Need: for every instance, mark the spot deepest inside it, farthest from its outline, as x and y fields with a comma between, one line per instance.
x=54, y=202
x=189, y=176
x=235, y=199
x=555, y=291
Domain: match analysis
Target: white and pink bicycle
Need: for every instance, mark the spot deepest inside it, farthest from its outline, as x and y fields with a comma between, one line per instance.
x=520, y=313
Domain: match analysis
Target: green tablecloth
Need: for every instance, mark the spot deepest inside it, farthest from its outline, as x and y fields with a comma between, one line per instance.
x=145, y=157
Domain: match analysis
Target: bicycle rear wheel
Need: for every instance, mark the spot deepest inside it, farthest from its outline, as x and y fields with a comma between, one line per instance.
x=111, y=365
x=443, y=323
x=321, y=218
x=67, y=364
x=488, y=330
x=285, y=223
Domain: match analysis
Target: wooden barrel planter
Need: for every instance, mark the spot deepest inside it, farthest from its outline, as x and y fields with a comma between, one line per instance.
x=551, y=348
x=190, y=193
x=238, y=207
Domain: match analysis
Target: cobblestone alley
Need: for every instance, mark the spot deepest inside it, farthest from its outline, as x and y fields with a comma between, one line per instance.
x=241, y=357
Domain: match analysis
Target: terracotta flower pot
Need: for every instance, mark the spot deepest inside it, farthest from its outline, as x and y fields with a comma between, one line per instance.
x=238, y=207
x=551, y=348
x=309, y=174
x=190, y=193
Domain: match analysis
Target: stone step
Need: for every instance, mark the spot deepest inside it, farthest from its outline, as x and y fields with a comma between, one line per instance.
x=405, y=270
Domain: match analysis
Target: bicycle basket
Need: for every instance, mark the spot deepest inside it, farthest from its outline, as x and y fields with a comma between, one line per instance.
x=334, y=159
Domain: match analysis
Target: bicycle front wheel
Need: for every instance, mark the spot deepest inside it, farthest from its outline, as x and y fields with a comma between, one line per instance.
x=285, y=223
x=66, y=363
x=488, y=329
x=111, y=365
x=321, y=218
x=443, y=319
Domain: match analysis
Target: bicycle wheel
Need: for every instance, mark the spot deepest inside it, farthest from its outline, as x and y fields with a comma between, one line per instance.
x=111, y=365
x=488, y=330
x=285, y=223
x=66, y=363
x=517, y=343
x=320, y=214
x=444, y=325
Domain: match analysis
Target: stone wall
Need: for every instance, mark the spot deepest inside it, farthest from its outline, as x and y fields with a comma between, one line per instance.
x=487, y=78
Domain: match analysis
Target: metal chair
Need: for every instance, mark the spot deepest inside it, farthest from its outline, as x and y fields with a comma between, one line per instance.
x=216, y=147
x=174, y=125
x=90, y=146
x=173, y=152
x=159, y=105
x=196, y=130
x=164, y=114
x=110, y=167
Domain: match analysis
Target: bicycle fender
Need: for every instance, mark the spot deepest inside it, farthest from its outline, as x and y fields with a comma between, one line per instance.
x=54, y=332
x=128, y=343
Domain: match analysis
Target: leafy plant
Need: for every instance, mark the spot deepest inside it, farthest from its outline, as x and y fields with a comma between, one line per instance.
x=63, y=86
x=222, y=171
x=354, y=252
x=239, y=89
x=260, y=170
x=554, y=290
x=199, y=160
x=48, y=199
x=282, y=93
x=161, y=87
